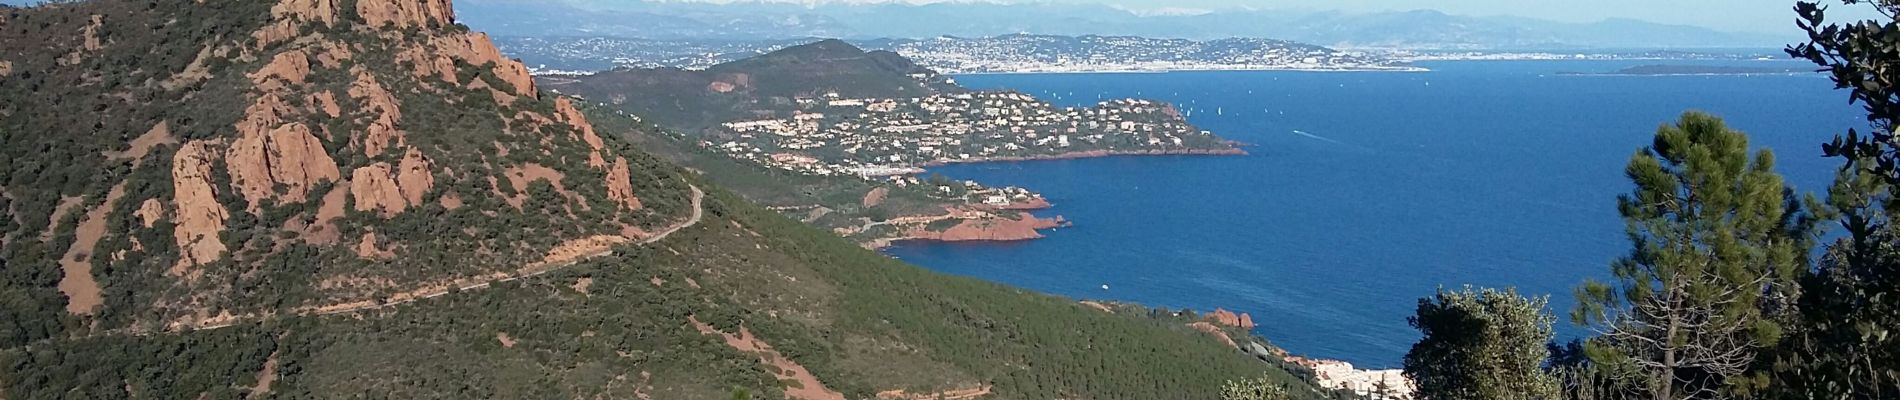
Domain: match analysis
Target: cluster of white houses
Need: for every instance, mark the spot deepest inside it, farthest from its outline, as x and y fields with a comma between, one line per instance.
x=885, y=136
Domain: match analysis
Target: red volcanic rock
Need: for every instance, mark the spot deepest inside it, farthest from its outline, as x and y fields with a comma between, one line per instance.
x=1229, y=318
x=996, y=228
x=1034, y=203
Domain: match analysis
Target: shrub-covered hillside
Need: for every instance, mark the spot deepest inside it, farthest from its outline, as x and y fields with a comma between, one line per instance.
x=361, y=198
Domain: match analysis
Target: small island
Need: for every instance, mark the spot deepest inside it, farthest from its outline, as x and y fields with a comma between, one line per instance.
x=1691, y=70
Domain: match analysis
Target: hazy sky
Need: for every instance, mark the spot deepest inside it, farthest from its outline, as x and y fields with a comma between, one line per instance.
x=1765, y=16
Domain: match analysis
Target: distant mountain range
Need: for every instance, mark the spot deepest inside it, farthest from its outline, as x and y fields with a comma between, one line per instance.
x=1421, y=29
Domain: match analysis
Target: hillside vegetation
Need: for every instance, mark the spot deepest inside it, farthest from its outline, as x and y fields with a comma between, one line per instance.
x=346, y=199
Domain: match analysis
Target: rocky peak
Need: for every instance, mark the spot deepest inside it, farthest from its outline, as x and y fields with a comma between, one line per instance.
x=307, y=133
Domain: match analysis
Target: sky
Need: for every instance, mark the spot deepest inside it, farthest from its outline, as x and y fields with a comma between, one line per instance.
x=1759, y=16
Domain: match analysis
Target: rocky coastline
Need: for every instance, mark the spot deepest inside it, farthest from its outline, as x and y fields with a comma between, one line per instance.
x=1235, y=329
x=1231, y=151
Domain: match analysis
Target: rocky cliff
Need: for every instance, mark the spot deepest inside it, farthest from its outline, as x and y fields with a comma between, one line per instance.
x=228, y=139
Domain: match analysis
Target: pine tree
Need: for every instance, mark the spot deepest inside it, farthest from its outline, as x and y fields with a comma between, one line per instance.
x=1717, y=241
x=1481, y=345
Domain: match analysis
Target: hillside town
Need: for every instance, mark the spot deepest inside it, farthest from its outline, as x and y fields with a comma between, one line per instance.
x=951, y=55
x=1049, y=53
x=833, y=136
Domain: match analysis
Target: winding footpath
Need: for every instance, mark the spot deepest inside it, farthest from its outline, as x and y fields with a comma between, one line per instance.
x=471, y=283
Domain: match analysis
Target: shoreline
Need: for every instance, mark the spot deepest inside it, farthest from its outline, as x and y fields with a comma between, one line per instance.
x=1168, y=70
x=882, y=243
x=1234, y=151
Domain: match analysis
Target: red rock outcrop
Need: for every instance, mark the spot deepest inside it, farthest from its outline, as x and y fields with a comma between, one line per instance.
x=309, y=10
x=199, y=217
x=326, y=102
x=323, y=231
x=1034, y=203
x=288, y=17
x=288, y=156
x=995, y=228
x=438, y=59
x=620, y=185
x=290, y=67
x=383, y=131
x=414, y=176
x=150, y=212
x=477, y=49
x=1229, y=318
x=565, y=112
x=6, y=68
x=380, y=186
x=406, y=13
x=374, y=188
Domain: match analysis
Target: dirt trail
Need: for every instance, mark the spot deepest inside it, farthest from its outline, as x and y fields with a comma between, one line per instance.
x=953, y=394
x=477, y=282
x=808, y=387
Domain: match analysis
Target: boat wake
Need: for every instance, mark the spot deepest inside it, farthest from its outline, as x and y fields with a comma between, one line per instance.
x=1318, y=137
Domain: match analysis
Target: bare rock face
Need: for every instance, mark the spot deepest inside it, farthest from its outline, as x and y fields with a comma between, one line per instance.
x=565, y=112
x=405, y=13
x=150, y=212
x=383, y=131
x=438, y=60
x=414, y=177
x=477, y=49
x=996, y=228
x=200, y=218
x=390, y=189
x=286, y=68
x=375, y=188
x=6, y=68
x=620, y=185
x=309, y=10
x=289, y=156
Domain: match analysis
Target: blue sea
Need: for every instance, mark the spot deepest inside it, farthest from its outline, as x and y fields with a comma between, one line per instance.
x=1367, y=190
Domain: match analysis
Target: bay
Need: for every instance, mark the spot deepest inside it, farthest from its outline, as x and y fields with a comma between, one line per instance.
x=1365, y=191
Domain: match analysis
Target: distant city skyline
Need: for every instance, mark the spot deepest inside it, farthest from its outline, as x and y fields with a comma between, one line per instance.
x=1755, y=16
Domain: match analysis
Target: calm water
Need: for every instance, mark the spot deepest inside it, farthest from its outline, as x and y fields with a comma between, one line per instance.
x=1365, y=191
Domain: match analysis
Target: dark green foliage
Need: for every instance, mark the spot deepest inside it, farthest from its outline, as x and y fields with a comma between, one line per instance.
x=1262, y=388
x=1717, y=241
x=1481, y=345
x=56, y=122
x=220, y=365
x=1843, y=344
x=1858, y=56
